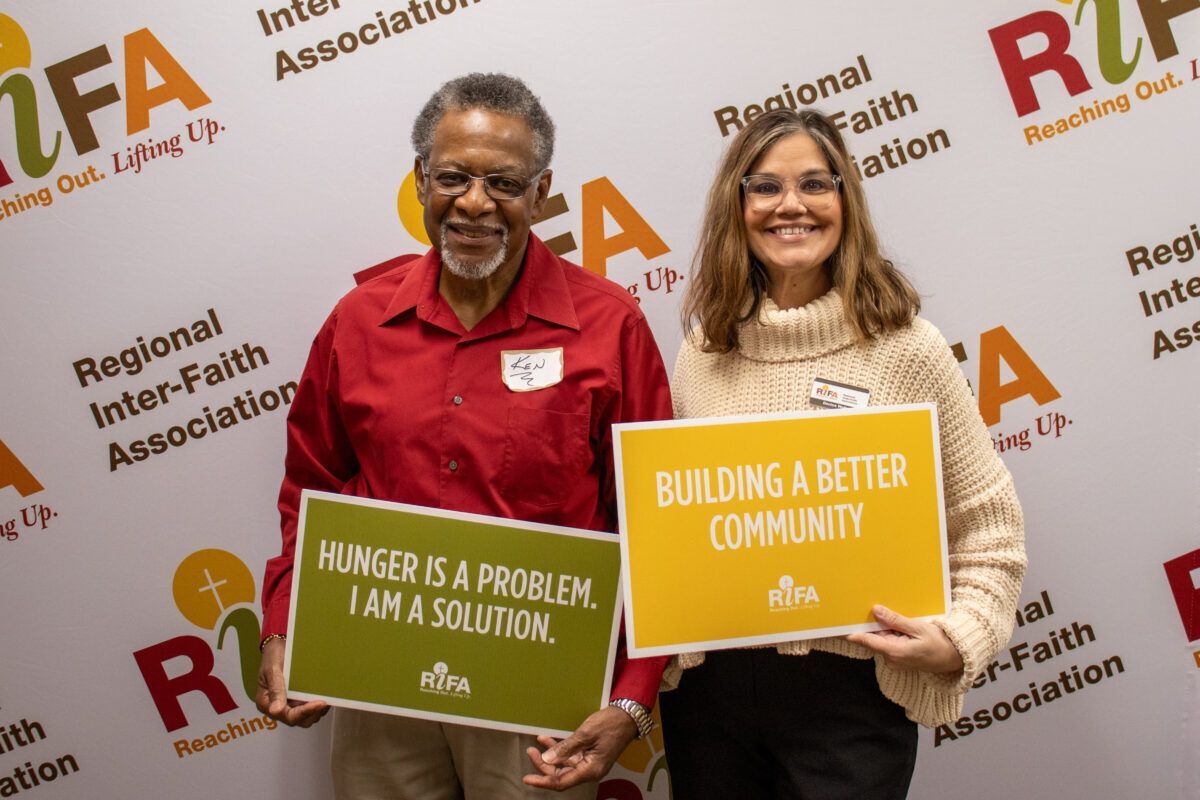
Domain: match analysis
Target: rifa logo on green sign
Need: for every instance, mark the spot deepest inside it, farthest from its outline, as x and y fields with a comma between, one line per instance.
x=441, y=681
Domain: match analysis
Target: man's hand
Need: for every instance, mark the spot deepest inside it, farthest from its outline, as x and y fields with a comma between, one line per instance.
x=910, y=643
x=586, y=755
x=271, y=697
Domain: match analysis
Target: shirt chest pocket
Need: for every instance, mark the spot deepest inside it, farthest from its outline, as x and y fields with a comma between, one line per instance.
x=546, y=454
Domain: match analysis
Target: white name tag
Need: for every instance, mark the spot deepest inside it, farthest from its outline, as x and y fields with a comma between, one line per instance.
x=530, y=370
x=827, y=394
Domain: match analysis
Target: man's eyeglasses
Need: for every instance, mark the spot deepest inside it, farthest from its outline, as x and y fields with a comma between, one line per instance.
x=817, y=190
x=498, y=186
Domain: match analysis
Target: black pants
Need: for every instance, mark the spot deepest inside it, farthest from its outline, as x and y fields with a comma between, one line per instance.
x=755, y=724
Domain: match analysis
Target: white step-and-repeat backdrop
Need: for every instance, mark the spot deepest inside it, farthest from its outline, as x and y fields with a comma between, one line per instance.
x=187, y=188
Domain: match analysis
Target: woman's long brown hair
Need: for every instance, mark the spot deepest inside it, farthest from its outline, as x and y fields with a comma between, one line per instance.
x=728, y=284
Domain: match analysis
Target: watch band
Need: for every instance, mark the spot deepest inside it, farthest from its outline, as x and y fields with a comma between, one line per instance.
x=637, y=712
x=263, y=644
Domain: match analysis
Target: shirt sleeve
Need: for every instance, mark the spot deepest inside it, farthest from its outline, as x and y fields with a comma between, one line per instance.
x=319, y=456
x=984, y=527
x=642, y=394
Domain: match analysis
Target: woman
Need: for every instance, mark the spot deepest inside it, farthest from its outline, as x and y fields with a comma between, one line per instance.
x=788, y=287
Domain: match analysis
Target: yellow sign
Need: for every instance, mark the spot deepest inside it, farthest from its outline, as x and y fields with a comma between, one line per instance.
x=759, y=529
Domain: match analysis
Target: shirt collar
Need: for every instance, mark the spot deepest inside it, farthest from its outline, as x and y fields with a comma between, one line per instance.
x=418, y=288
x=540, y=289
x=547, y=295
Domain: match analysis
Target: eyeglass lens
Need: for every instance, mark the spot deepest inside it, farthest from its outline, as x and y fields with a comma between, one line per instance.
x=455, y=182
x=767, y=191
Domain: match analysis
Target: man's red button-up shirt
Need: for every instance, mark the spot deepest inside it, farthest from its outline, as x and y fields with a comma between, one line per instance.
x=399, y=402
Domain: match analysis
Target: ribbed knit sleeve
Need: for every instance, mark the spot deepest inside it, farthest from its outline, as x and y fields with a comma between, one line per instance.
x=984, y=525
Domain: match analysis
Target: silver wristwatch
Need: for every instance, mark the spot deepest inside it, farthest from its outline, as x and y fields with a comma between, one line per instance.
x=637, y=712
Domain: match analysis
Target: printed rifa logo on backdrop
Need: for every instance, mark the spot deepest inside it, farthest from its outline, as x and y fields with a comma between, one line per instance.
x=35, y=517
x=1000, y=354
x=14, y=474
x=1040, y=57
x=600, y=242
x=38, y=151
x=1183, y=575
x=214, y=590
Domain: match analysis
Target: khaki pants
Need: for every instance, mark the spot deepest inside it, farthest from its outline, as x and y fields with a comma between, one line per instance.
x=384, y=757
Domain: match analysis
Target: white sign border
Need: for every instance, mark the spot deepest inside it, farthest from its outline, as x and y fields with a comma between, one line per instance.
x=770, y=638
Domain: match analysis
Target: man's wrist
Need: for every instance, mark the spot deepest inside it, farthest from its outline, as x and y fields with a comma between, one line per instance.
x=263, y=644
x=637, y=712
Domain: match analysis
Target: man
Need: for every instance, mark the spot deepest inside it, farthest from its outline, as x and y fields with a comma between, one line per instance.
x=404, y=398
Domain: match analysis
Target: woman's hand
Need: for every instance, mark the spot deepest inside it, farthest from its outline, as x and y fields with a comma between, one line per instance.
x=910, y=643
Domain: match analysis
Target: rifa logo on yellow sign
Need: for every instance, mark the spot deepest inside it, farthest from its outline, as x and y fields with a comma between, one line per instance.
x=791, y=596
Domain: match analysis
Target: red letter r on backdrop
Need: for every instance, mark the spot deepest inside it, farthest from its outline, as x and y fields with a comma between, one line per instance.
x=1186, y=590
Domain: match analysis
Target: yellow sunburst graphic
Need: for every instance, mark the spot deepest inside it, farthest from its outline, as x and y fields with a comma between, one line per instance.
x=412, y=213
x=209, y=581
x=14, y=45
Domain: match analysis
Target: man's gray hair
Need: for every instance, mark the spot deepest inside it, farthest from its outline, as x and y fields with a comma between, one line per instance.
x=491, y=91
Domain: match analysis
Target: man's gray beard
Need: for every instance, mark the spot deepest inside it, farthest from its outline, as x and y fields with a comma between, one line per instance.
x=477, y=270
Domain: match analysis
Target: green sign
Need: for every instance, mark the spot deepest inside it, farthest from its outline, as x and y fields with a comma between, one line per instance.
x=451, y=616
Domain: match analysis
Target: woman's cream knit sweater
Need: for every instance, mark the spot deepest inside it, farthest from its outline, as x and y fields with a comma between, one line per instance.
x=773, y=369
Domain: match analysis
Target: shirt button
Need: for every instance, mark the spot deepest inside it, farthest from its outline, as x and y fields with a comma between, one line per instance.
x=453, y=466
x=458, y=400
